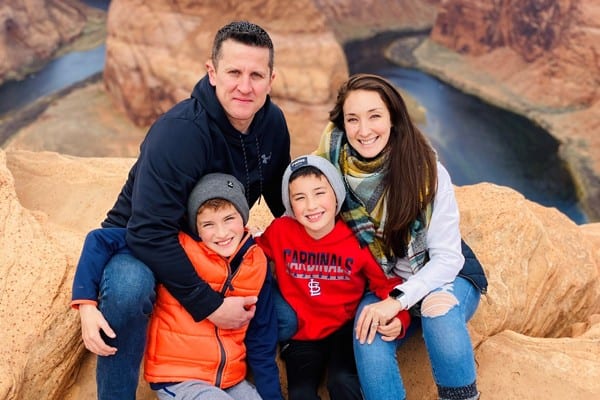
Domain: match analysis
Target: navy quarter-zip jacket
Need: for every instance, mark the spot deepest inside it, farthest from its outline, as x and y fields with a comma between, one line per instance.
x=190, y=140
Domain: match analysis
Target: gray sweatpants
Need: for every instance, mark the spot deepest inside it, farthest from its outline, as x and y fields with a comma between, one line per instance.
x=198, y=390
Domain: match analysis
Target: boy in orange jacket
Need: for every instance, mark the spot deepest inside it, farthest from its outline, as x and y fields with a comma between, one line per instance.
x=188, y=358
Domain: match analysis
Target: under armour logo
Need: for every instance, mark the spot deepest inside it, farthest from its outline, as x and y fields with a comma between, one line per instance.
x=314, y=287
x=265, y=158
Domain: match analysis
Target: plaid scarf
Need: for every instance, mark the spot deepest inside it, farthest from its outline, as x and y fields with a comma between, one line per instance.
x=364, y=209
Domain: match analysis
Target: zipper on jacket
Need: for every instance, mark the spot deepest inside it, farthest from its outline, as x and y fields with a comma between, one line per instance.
x=245, y=247
x=226, y=286
x=219, y=376
x=481, y=290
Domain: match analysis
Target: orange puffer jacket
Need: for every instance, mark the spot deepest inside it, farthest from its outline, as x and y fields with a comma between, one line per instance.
x=178, y=348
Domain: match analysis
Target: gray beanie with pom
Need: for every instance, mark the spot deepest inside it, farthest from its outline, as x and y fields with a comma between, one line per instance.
x=327, y=168
x=217, y=186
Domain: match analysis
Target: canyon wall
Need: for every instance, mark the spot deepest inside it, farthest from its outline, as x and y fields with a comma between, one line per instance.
x=536, y=58
x=355, y=19
x=154, y=59
x=33, y=31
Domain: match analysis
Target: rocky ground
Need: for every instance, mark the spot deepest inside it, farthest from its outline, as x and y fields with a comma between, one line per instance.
x=542, y=308
x=80, y=120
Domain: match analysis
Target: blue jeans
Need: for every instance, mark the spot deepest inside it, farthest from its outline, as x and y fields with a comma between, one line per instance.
x=127, y=295
x=287, y=321
x=446, y=339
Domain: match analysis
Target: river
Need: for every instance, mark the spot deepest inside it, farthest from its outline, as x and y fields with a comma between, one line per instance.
x=478, y=142
x=57, y=74
x=475, y=141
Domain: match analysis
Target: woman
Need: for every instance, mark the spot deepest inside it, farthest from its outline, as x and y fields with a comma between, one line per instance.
x=400, y=202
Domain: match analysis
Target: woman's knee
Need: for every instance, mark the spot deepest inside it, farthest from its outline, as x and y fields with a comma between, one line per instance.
x=367, y=299
x=375, y=355
x=438, y=304
x=460, y=294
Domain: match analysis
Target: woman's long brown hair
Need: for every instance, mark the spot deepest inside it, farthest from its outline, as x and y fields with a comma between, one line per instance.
x=411, y=176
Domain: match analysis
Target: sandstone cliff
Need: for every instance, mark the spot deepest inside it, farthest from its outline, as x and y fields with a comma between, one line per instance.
x=154, y=59
x=354, y=19
x=542, y=308
x=537, y=58
x=33, y=31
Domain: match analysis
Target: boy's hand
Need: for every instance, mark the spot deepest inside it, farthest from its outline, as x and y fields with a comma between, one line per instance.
x=255, y=231
x=92, y=321
x=235, y=312
x=391, y=330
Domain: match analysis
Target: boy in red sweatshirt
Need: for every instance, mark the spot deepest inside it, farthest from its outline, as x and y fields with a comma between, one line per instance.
x=322, y=274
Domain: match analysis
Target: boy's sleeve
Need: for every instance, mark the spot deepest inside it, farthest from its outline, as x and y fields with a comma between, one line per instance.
x=264, y=243
x=404, y=317
x=379, y=284
x=261, y=345
x=99, y=246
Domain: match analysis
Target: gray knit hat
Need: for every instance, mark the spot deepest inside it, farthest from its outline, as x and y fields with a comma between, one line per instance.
x=327, y=168
x=217, y=186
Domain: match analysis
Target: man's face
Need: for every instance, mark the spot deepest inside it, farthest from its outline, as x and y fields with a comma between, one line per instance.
x=242, y=80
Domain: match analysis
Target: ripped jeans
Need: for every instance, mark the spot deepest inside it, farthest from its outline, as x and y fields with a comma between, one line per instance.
x=445, y=313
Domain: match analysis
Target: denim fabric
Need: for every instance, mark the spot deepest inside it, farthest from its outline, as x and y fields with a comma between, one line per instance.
x=127, y=295
x=287, y=322
x=448, y=345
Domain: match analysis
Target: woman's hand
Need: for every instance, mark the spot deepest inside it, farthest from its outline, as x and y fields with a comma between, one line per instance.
x=375, y=315
x=92, y=322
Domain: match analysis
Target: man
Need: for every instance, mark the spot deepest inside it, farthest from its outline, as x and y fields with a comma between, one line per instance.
x=229, y=125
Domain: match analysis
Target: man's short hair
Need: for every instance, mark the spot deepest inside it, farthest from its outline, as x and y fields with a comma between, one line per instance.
x=243, y=32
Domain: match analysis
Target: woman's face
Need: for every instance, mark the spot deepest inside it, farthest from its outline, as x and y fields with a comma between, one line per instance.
x=367, y=122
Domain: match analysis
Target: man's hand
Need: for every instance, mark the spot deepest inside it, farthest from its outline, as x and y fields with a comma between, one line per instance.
x=235, y=312
x=92, y=321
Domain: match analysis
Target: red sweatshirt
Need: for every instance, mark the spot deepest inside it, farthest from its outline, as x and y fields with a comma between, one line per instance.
x=323, y=280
